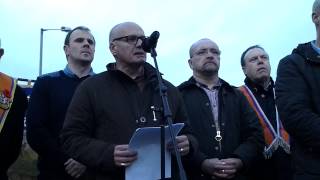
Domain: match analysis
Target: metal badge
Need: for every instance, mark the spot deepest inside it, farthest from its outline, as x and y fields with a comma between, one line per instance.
x=218, y=136
x=5, y=102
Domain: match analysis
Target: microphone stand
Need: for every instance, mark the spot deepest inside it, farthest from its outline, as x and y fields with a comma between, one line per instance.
x=167, y=115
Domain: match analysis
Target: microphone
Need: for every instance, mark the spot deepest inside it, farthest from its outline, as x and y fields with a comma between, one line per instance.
x=150, y=42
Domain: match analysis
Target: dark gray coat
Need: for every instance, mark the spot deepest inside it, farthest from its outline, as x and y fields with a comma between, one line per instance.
x=298, y=100
x=105, y=111
x=241, y=131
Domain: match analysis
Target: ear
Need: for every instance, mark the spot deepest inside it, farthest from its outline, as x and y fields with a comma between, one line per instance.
x=113, y=48
x=190, y=64
x=65, y=48
x=244, y=69
x=315, y=19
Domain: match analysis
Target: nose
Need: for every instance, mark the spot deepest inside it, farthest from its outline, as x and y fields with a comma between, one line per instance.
x=210, y=55
x=260, y=60
x=86, y=43
x=139, y=43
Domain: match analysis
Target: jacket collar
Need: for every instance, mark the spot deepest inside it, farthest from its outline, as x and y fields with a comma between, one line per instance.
x=150, y=73
x=193, y=83
x=257, y=88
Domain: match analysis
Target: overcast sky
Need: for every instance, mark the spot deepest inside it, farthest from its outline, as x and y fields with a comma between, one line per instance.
x=277, y=25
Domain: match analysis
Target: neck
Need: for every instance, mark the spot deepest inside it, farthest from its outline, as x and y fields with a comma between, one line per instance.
x=80, y=70
x=133, y=71
x=318, y=39
x=265, y=83
x=209, y=80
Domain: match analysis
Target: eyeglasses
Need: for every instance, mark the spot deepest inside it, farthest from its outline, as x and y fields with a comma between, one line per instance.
x=131, y=39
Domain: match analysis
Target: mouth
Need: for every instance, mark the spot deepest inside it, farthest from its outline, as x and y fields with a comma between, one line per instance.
x=262, y=69
x=210, y=62
x=139, y=53
x=86, y=52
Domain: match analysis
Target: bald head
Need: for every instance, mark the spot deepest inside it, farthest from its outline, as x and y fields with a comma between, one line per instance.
x=195, y=46
x=122, y=29
x=316, y=6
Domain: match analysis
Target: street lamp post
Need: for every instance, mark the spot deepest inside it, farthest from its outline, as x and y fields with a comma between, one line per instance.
x=63, y=28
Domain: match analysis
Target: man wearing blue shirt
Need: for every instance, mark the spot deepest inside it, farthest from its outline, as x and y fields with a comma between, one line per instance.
x=49, y=101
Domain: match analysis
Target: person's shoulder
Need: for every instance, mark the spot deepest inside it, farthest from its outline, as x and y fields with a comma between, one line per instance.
x=49, y=76
x=293, y=58
x=169, y=84
x=47, y=79
x=96, y=79
x=54, y=74
x=299, y=54
x=98, y=76
x=186, y=84
x=227, y=86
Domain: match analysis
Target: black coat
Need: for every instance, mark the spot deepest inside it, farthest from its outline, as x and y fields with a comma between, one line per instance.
x=241, y=131
x=298, y=100
x=51, y=95
x=106, y=110
x=12, y=132
x=279, y=166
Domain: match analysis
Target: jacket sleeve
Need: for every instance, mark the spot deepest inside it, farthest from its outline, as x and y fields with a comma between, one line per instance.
x=295, y=102
x=187, y=130
x=251, y=135
x=38, y=133
x=77, y=135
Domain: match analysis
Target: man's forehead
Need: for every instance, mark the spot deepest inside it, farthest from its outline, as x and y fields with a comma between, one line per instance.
x=129, y=29
x=203, y=44
x=80, y=34
x=255, y=52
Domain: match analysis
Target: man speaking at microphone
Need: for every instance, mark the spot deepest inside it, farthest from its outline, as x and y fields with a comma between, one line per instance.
x=107, y=108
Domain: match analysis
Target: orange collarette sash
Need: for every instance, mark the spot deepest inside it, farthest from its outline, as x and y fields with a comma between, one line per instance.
x=7, y=88
x=273, y=138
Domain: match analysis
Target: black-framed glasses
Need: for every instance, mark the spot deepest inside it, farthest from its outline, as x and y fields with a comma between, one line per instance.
x=131, y=39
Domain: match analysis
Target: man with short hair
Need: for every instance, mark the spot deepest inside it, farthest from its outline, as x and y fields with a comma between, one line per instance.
x=49, y=101
x=298, y=101
x=226, y=127
x=13, y=103
x=275, y=161
x=107, y=108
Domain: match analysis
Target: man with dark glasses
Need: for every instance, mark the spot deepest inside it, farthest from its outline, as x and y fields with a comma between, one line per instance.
x=108, y=108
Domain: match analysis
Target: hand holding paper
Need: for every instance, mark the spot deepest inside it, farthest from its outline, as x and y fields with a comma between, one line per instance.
x=146, y=141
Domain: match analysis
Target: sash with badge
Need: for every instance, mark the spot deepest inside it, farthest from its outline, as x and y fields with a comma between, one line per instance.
x=7, y=89
x=273, y=137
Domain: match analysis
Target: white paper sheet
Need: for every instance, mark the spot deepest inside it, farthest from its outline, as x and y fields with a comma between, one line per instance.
x=146, y=141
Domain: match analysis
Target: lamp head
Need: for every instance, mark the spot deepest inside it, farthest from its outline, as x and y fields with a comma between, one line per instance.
x=65, y=29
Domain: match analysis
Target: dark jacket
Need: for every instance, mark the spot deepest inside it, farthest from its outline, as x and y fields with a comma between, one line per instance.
x=278, y=167
x=298, y=100
x=12, y=132
x=241, y=132
x=49, y=102
x=106, y=110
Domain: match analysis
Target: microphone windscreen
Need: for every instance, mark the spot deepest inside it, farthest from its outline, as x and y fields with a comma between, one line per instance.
x=150, y=42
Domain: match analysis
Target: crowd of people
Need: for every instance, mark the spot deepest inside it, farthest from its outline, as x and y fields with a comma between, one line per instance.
x=80, y=123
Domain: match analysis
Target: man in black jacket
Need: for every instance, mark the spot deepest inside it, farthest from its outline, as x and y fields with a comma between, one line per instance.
x=227, y=129
x=298, y=100
x=49, y=101
x=275, y=161
x=107, y=108
x=13, y=103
